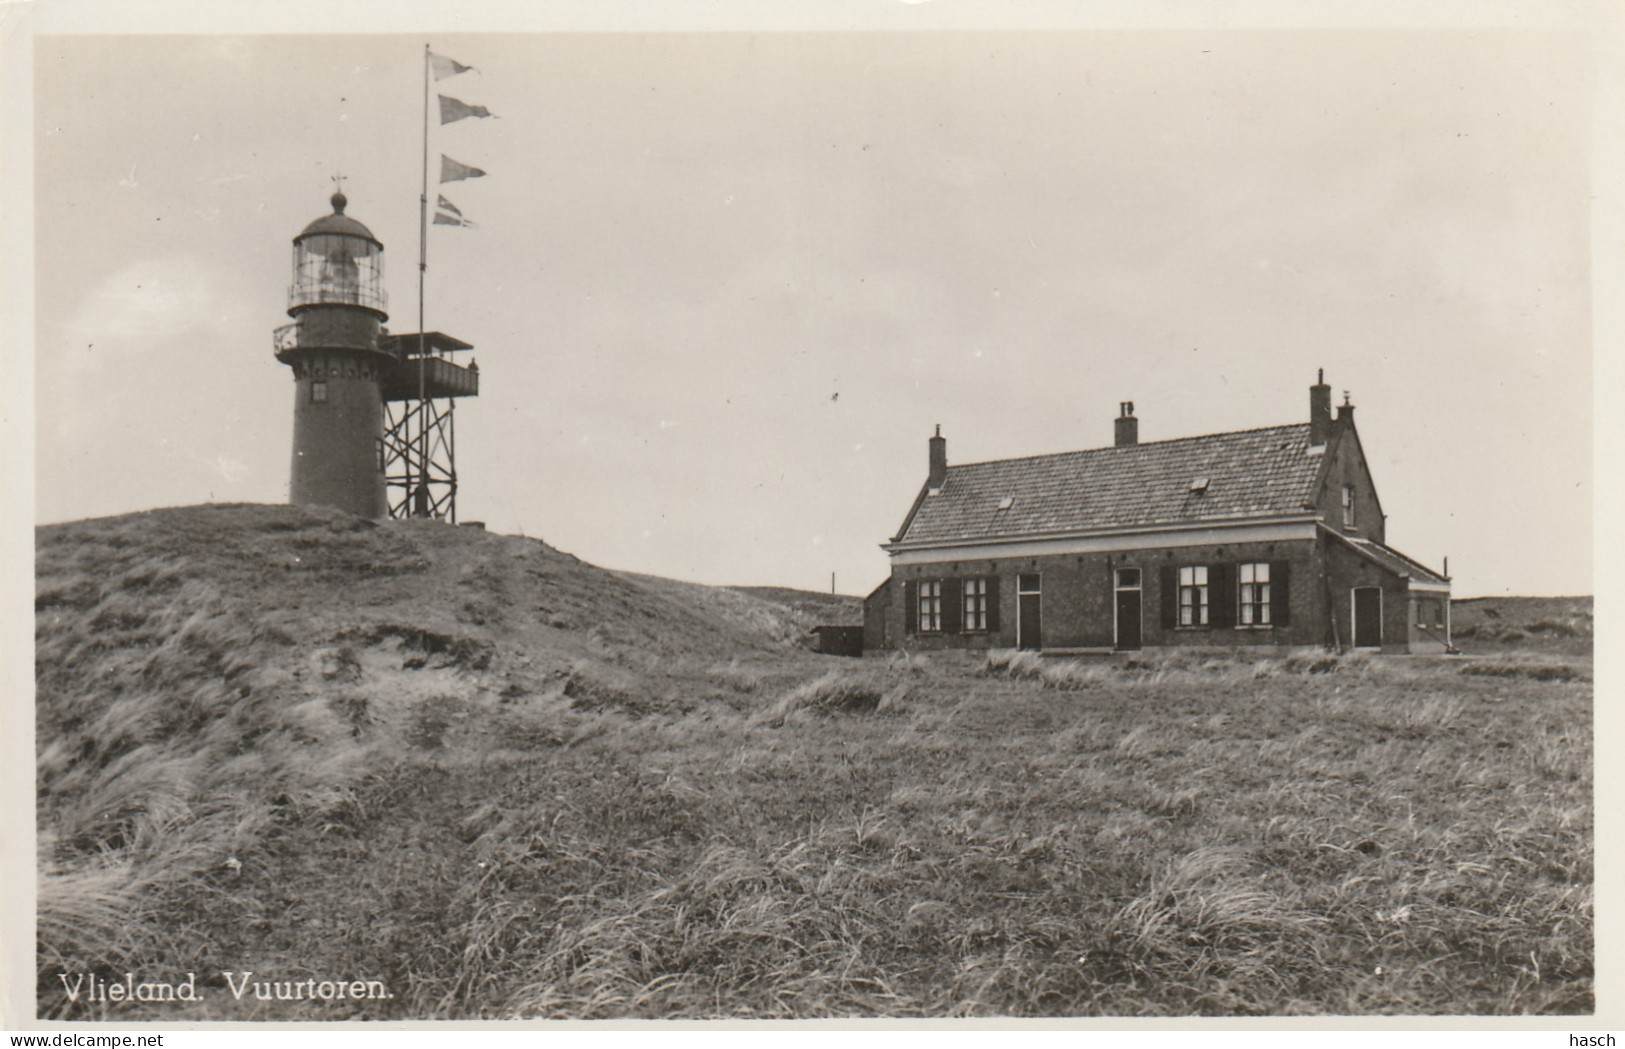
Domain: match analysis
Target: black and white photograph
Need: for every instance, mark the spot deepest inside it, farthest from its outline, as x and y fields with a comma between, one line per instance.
x=913, y=511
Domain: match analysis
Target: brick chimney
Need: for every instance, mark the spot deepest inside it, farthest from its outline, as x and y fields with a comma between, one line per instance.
x=1345, y=411
x=939, y=460
x=1128, y=427
x=1320, y=410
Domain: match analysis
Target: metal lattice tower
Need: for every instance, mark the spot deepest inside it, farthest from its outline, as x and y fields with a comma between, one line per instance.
x=419, y=442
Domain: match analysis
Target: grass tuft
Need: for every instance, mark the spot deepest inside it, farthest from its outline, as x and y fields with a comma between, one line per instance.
x=1528, y=671
x=835, y=693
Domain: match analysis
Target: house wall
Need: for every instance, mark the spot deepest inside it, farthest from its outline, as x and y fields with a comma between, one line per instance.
x=1347, y=466
x=876, y=608
x=1427, y=621
x=1078, y=600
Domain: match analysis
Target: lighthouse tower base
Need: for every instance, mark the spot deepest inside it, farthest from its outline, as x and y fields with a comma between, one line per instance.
x=337, y=418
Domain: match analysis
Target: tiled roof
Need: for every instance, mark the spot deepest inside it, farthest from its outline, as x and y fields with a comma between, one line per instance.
x=1248, y=473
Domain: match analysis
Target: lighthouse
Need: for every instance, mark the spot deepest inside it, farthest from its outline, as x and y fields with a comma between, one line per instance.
x=373, y=419
x=337, y=303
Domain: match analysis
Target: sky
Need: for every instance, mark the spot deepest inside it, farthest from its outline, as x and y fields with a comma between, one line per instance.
x=724, y=285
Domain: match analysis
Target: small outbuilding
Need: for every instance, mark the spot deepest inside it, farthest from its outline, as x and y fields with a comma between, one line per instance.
x=839, y=640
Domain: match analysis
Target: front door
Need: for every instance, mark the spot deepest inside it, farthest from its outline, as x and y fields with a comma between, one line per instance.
x=1029, y=625
x=1128, y=609
x=1367, y=617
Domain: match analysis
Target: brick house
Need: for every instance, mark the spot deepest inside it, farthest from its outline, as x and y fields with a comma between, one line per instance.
x=1267, y=537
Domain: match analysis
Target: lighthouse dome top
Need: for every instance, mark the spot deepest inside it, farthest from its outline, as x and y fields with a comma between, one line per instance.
x=339, y=223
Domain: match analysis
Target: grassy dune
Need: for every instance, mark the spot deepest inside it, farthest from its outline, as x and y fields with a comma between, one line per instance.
x=510, y=784
x=1541, y=624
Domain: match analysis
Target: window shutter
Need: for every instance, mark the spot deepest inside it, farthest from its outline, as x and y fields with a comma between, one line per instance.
x=1221, y=595
x=952, y=598
x=1281, y=593
x=992, y=604
x=1170, y=597
x=911, y=607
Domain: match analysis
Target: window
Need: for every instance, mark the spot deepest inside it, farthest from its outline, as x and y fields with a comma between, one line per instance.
x=1348, y=506
x=975, y=604
x=931, y=607
x=1254, y=580
x=318, y=393
x=1193, y=595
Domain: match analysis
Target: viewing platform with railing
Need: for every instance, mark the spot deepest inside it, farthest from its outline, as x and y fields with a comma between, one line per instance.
x=424, y=367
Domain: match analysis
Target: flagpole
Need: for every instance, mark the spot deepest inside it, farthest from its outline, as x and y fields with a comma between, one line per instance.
x=423, y=267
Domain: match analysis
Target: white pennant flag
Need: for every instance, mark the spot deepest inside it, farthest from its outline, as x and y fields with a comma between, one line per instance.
x=455, y=109
x=444, y=67
x=455, y=171
x=448, y=214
